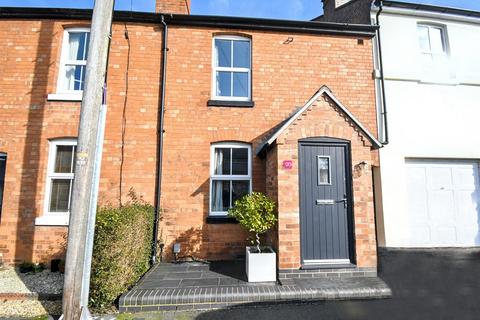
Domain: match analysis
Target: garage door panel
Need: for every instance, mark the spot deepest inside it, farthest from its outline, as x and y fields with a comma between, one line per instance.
x=441, y=207
x=467, y=203
x=417, y=193
x=444, y=235
x=444, y=203
x=420, y=236
x=468, y=237
x=465, y=178
x=440, y=178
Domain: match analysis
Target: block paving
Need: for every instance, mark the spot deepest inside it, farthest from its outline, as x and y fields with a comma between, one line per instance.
x=204, y=286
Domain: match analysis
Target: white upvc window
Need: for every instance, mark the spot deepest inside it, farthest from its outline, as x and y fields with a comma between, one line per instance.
x=433, y=45
x=231, y=78
x=230, y=175
x=59, y=183
x=73, y=63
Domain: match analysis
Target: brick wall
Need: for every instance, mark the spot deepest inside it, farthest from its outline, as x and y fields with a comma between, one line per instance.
x=173, y=6
x=271, y=174
x=285, y=75
x=29, y=70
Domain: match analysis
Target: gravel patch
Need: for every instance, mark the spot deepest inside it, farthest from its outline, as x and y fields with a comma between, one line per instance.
x=29, y=308
x=45, y=282
x=25, y=288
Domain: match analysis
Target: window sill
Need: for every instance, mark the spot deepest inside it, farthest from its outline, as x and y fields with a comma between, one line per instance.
x=52, y=220
x=65, y=97
x=230, y=103
x=221, y=220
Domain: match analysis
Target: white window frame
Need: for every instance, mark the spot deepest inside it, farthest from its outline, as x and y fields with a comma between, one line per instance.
x=61, y=92
x=440, y=70
x=213, y=176
x=215, y=68
x=443, y=32
x=55, y=218
x=329, y=183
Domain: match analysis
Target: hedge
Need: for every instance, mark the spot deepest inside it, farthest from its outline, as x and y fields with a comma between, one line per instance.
x=121, y=250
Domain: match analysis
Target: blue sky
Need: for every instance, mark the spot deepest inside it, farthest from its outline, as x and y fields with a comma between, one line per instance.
x=280, y=9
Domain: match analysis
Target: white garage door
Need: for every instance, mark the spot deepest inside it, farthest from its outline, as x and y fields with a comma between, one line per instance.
x=444, y=203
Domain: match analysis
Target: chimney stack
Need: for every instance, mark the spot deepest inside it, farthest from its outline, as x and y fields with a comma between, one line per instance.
x=346, y=11
x=173, y=6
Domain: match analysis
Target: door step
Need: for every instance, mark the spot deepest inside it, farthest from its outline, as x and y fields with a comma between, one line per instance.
x=334, y=273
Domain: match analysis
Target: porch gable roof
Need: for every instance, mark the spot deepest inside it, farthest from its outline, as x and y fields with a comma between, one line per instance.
x=325, y=91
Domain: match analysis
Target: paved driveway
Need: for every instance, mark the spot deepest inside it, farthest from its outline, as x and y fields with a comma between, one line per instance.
x=430, y=284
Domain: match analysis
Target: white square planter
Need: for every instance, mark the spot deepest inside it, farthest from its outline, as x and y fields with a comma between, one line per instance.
x=261, y=267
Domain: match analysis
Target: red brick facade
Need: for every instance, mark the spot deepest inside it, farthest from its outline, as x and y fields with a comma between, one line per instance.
x=29, y=63
x=285, y=74
x=284, y=77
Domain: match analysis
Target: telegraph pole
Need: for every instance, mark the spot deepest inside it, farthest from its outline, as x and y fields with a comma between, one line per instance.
x=87, y=155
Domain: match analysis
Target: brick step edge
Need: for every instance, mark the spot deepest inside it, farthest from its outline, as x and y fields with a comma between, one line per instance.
x=302, y=295
x=15, y=296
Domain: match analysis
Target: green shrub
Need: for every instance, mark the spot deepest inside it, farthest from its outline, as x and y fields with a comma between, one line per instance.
x=256, y=213
x=121, y=250
x=25, y=267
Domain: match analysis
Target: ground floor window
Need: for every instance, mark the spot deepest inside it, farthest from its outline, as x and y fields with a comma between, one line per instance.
x=60, y=174
x=230, y=175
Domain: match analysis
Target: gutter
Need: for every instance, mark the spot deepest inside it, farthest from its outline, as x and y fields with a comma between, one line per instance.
x=423, y=13
x=382, y=78
x=274, y=25
x=442, y=10
x=160, y=132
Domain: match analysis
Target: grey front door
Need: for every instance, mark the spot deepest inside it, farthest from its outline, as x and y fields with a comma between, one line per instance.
x=325, y=202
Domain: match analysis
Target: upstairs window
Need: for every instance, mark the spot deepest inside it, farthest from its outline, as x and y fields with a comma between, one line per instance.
x=73, y=61
x=231, y=68
x=433, y=45
x=230, y=175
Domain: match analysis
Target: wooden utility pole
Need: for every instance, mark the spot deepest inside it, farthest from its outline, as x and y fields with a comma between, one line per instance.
x=86, y=158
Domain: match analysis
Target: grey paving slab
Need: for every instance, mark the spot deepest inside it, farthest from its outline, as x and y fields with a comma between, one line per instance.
x=167, y=283
x=170, y=267
x=229, y=282
x=205, y=267
x=210, y=275
x=183, y=275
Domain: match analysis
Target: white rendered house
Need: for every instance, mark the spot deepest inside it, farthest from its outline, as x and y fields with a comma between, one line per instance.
x=428, y=184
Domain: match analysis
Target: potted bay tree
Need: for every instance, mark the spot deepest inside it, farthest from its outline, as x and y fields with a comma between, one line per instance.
x=256, y=213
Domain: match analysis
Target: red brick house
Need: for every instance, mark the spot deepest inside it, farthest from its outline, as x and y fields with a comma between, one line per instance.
x=282, y=107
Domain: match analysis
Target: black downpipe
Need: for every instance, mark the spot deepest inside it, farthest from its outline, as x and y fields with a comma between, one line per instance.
x=160, y=132
x=382, y=79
